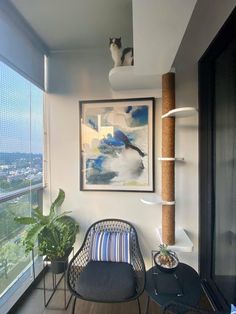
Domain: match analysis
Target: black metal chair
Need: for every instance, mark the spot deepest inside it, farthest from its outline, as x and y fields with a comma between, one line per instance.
x=81, y=261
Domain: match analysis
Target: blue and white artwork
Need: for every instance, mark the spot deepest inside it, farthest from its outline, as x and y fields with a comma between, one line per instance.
x=117, y=144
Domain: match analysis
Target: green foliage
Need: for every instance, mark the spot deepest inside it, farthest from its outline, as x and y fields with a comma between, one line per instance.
x=57, y=203
x=164, y=249
x=25, y=220
x=9, y=253
x=59, y=238
x=11, y=186
x=9, y=229
x=55, y=232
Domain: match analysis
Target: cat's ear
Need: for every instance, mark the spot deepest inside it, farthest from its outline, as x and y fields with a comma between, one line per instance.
x=119, y=38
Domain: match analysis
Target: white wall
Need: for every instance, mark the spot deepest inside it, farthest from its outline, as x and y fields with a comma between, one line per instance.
x=166, y=20
x=84, y=75
x=81, y=75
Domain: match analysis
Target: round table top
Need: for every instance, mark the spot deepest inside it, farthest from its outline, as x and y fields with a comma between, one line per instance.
x=168, y=286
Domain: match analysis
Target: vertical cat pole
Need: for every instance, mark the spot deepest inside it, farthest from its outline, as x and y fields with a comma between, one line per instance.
x=168, y=166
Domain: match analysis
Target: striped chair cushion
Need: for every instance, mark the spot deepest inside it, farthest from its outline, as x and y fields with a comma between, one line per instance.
x=110, y=246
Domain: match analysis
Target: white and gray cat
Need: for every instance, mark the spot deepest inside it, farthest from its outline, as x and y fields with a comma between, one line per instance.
x=120, y=58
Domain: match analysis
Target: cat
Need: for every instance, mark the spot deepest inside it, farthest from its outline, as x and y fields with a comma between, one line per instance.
x=127, y=57
x=120, y=58
x=115, y=48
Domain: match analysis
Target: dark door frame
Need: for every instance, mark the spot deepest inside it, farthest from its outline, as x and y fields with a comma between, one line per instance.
x=206, y=77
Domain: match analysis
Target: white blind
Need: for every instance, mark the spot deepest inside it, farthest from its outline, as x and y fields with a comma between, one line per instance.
x=19, y=45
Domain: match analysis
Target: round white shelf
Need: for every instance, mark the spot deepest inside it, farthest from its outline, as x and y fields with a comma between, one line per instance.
x=180, y=112
x=182, y=240
x=155, y=199
x=170, y=159
x=126, y=78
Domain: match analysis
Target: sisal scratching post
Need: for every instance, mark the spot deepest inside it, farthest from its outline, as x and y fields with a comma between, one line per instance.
x=168, y=167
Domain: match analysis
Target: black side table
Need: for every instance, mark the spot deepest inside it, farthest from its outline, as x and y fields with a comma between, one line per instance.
x=182, y=286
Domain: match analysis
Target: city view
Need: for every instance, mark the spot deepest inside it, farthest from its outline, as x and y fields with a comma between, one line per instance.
x=19, y=170
x=21, y=167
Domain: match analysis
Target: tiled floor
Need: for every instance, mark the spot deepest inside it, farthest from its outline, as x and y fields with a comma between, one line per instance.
x=34, y=304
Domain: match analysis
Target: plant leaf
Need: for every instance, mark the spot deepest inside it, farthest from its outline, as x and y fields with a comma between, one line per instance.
x=60, y=216
x=32, y=236
x=58, y=201
x=43, y=219
x=25, y=220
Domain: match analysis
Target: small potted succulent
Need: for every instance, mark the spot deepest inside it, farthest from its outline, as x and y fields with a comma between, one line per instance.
x=56, y=234
x=165, y=259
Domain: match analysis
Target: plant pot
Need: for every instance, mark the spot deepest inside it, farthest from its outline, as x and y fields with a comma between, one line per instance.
x=59, y=266
x=164, y=268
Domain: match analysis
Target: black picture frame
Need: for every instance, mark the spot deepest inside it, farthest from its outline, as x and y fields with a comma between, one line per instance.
x=117, y=145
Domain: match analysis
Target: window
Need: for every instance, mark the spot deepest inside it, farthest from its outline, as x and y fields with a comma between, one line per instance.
x=21, y=173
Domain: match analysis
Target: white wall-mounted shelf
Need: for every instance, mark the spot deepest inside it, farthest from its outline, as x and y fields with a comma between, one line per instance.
x=180, y=112
x=182, y=241
x=127, y=78
x=171, y=159
x=155, y=199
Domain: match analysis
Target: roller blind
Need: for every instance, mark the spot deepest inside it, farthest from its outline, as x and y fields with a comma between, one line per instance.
x=20, y=47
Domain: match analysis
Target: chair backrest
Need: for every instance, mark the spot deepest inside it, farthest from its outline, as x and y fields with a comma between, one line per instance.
x=112, y=225
x=115, y=225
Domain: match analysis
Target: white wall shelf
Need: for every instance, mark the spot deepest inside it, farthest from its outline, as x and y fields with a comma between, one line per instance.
x=155, y=199
x=171, y=159
x=180, y=112
x=182, y=241
x=127, y=78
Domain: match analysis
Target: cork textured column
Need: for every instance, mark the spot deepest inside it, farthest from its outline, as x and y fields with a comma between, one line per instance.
x=168, y=167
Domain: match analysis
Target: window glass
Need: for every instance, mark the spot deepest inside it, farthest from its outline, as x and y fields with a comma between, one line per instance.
x=12, y=257
x=21, y=131
x=21, y=169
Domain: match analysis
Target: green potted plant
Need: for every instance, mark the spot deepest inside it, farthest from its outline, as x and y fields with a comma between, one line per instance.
x=56, y=233
x=166, y=260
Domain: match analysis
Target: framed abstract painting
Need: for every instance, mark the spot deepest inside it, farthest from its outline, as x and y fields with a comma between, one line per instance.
x=117, y=145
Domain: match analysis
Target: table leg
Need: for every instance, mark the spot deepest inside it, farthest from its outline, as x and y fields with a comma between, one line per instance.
x=147, y=305
x=180, y=286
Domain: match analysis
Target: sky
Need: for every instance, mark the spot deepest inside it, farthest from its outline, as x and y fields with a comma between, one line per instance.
x=21, y=113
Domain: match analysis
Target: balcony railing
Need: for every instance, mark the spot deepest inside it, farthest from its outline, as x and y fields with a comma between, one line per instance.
x=4, y=197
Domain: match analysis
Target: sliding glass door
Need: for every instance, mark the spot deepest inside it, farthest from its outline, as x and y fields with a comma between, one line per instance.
x=224, y=238
x=217, y=157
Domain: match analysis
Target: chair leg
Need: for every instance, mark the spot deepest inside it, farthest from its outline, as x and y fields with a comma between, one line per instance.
x=73, y=308
x=139, y=307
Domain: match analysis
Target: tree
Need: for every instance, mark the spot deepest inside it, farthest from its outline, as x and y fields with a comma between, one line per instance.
x=9, y=253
